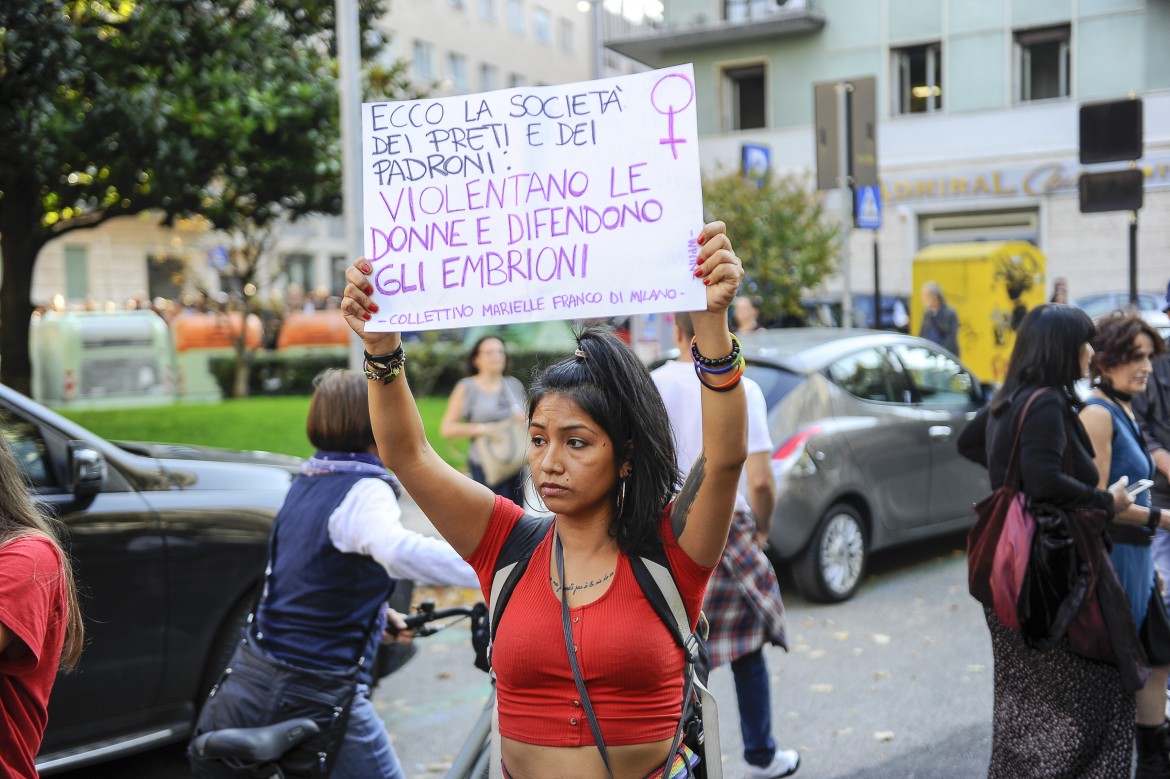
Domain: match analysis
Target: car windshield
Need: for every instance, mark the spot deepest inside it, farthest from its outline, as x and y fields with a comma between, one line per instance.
x=774, y=382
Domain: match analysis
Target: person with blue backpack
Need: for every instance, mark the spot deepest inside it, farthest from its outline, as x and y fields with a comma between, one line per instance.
x=590, y=679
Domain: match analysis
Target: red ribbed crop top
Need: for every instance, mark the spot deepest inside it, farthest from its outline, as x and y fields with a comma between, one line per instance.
x=631, y=665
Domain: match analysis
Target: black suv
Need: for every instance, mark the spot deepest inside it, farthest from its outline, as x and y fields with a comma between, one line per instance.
x=169, y=544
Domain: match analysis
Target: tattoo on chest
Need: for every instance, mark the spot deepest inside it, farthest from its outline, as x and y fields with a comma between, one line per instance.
x=571, y=588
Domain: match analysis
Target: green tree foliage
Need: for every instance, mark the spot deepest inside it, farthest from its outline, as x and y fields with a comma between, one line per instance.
x=222, y=108
x=780, y=230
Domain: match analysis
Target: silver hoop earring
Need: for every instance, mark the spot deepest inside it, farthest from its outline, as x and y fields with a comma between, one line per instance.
x=621, y=499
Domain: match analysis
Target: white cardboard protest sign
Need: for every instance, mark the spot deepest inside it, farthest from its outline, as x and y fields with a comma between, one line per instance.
x=534, y=203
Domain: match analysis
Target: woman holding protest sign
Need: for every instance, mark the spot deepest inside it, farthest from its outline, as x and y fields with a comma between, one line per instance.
x=602, y=459
x=488, y=407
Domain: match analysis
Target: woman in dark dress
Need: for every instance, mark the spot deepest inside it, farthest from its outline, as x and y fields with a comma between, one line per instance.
x=1057, y=713
x=1124, y=347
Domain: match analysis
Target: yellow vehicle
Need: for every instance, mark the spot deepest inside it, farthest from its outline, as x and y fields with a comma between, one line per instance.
x=991, y=285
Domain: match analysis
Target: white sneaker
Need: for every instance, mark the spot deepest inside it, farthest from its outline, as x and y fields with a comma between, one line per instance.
x=784, y=763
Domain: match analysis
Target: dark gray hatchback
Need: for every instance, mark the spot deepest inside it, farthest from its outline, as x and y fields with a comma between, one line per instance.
x=864, y=425
x=168, y=544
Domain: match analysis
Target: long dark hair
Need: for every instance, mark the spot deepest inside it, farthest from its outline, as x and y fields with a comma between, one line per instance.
x=613, y=387
x=19, y=518
x=1047, y=352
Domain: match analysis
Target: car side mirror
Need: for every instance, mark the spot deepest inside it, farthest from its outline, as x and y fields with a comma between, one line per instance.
x=87, y=470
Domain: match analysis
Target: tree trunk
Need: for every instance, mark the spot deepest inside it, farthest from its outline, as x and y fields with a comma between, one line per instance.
x=243, y=364
x=20, y=243
x=243, y=368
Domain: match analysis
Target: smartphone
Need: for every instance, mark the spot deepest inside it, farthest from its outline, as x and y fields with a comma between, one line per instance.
x=1141, y=485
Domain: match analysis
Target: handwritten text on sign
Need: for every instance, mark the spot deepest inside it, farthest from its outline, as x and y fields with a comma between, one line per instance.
x=527, y=204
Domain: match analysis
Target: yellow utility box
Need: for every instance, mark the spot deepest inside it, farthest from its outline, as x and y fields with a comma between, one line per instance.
x=991, y=285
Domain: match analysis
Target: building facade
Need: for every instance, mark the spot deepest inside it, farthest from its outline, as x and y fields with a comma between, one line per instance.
x=451, y=47
x=977, y=116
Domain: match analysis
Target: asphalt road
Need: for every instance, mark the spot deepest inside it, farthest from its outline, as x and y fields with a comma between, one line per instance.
x=894, y=683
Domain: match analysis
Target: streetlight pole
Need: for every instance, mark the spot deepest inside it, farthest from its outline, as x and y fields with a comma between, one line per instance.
x=843, y=184
x=595, y=7
x=349, y=90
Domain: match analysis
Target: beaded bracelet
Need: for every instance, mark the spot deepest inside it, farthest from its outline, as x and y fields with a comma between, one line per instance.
x=715, y=362
x=735, y=368
x=384, y=367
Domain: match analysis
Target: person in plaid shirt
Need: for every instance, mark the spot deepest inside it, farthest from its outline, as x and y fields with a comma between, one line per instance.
x=743, y=602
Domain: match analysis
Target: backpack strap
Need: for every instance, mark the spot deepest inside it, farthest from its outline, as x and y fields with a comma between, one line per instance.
x=652, y=571
x=660, y=589
x=511, y=564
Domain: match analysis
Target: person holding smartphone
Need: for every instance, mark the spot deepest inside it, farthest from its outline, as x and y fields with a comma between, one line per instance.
x=1060, y=711
x=1124, y=347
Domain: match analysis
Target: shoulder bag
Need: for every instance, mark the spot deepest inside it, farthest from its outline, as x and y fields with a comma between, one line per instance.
x=503, y=451
x=259, y=689
x=1033, y=564
x=999, y=544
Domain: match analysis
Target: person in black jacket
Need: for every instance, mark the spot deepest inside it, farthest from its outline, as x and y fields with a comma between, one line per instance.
x=1056, y=713
x=1152, y=411
x=940, y=323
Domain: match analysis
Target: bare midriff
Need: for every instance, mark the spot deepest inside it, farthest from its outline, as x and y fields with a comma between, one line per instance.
x=633, y=761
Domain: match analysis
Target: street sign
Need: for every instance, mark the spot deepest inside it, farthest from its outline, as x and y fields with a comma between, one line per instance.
x=825, y=110
x=757, y=163
x=863, y=132
x=861, y=136
x=1111, y=131
x=867, y=207
x=1115, y=190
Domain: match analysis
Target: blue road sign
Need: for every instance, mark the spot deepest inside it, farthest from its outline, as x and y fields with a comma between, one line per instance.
x=757, y=163
x=867, y=208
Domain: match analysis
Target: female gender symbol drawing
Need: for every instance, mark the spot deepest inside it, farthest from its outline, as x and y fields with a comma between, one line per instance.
x=671, y=94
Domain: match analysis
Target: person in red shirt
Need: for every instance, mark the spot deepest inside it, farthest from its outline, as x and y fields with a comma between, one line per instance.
x=602, y=459
x=40, y=623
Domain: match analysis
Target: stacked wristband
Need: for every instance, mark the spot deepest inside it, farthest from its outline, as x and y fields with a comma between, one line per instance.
x=384, y=367
x=729, y=369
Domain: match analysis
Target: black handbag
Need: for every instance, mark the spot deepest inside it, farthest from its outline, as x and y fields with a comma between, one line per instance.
x=1055, y=583
x=259, y=689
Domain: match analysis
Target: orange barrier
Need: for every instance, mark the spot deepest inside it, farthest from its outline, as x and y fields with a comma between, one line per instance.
x=214, y=331
x=313, y=328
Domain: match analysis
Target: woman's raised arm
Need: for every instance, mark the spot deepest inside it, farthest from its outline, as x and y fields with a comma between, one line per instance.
x=458, y=507
x=704, y=507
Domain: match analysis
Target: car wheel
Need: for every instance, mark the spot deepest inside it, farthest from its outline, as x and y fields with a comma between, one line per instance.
x=225, y=642
x=831, y=567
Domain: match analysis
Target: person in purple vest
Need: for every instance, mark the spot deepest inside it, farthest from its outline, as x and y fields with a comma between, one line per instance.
x=338, y=546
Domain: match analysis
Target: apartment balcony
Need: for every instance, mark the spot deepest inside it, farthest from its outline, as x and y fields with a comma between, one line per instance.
x=691, y=26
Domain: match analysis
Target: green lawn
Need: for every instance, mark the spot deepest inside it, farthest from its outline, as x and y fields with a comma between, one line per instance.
x=268, y=424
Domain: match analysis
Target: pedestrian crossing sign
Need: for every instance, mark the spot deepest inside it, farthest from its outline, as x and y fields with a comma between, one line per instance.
x=867, y=208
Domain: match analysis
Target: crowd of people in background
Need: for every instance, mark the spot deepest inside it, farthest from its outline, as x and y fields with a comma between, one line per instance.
x=271, y=310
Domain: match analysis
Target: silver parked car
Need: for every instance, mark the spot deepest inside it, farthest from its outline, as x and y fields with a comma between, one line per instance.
x=1149, y=307
x=864, y=425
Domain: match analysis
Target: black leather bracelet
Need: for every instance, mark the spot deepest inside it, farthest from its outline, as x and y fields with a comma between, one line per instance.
x=384, y=367
x=1155, y=518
